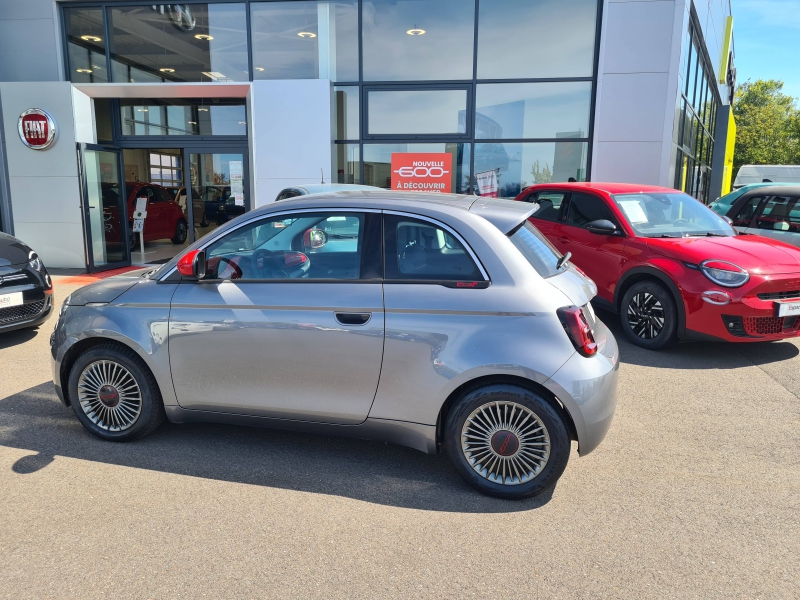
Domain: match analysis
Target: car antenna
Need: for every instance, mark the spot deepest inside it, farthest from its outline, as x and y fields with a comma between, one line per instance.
x=322, y=174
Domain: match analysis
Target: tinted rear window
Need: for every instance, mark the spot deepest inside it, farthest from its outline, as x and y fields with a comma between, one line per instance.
x=536, y=249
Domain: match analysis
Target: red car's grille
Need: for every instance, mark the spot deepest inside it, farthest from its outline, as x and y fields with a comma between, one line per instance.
x=770, y=325
x=779, y=295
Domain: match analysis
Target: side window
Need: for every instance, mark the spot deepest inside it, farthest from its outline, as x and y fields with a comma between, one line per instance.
x=417, y=249
x=145, y=192
x=162, y=195
x=746, y=212
x=303, y=246
x=776, y=214
x=549, y=205
x=584, y=209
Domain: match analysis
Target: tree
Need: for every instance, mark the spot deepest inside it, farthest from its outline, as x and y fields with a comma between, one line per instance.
x=541, y=175
x=767, y=125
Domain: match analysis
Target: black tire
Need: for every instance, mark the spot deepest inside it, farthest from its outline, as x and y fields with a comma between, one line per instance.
x=181, y=232
x=151, y=413
x=639, y=321
x=504, y=397
x=134, y=241
x=204, y=222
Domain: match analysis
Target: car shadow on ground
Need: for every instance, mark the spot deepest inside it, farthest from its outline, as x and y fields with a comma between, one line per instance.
x=17, y=337
x=35, y=420
x=698, y=355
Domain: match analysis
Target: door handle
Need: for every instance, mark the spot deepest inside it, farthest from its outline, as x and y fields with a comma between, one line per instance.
x=564, y=239
x=353, y=318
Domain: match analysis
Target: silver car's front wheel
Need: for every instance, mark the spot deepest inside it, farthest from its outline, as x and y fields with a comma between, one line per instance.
x=505, y=442
x=114, y=393
x=109, y=395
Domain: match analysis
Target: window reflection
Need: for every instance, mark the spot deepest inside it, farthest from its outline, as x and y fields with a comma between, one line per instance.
x=215, y=116
x=346, y=164
x=378, y=163
x=532, y=110
x=179, y=42
x=527, y=39
x=520, y=165
x=345, y=108
x=406, y=40
x=417, y=112
x=305, y=40
x=86, y=46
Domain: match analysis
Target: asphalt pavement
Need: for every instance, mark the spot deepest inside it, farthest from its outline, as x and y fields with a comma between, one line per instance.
x=695, y=493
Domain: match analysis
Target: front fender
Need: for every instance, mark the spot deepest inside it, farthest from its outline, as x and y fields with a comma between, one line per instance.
x=668, y=272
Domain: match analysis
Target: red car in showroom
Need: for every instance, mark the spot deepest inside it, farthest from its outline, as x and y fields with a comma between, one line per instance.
x=165, y=218
x=671, y=267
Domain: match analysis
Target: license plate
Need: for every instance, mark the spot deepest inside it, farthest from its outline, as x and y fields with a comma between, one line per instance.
x=7, y=300
x=788, y=309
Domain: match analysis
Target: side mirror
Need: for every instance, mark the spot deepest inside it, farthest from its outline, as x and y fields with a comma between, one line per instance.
x=199, y=265
x=602, y=227
x=315, y=238
x=193, y=264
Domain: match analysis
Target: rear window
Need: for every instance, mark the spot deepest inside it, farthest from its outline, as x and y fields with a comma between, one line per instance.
x=541, y=255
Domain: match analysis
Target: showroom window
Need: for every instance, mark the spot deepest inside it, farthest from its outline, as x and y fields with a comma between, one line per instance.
x=695, y=118
x=501, y=89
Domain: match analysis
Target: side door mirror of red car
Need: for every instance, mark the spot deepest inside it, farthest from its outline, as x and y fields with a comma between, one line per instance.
x=602, y=227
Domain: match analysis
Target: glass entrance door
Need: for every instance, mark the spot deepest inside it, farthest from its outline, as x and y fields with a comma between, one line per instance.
x=218, y=190
x=105, y=213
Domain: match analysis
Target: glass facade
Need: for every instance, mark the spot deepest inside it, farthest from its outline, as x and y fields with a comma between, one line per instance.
x=696, y=112
x=504, y=86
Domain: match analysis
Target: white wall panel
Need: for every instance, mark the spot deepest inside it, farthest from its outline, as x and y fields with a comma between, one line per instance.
x=629, y=162
x=632, y=107
x=60, y=245
x=291, y=134
x=638, y=37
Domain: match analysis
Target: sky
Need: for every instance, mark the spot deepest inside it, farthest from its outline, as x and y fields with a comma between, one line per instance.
x=766, y=36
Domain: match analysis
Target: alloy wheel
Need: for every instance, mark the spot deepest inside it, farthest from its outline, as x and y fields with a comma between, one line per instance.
x=109, y=395
x=505, y=442
x=646, y=315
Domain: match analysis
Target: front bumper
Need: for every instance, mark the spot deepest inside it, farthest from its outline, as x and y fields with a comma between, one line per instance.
x=37, y=302
x=750, y=316
x=588, y=389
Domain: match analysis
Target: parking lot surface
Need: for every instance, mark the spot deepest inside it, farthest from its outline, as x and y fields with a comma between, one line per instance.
x=695, y=493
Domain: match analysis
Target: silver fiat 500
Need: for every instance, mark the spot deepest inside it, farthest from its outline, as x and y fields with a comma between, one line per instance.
x=432, y=321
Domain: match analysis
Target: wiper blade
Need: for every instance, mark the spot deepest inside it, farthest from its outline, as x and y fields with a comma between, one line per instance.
x=664, y=235
x=707, y=234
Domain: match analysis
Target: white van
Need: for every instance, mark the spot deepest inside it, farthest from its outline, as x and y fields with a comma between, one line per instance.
x=760, y=173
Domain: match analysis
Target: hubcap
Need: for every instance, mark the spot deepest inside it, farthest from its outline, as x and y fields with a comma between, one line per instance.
x=646, y=315
x=505, y=442
x=109, y=395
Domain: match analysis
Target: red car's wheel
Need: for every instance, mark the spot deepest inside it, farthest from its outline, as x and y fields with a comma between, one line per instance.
x=649, y=316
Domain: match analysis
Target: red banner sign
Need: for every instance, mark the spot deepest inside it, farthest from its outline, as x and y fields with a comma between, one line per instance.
x=422, y=172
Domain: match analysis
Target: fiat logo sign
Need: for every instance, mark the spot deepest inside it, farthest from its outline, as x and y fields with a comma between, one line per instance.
x=37, y=129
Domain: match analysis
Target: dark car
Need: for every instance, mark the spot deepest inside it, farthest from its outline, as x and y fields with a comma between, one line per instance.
x=26, y=291
x=220, y=205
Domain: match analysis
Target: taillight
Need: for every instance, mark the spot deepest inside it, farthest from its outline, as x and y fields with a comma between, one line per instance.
x=186, y=263
x=577, y=327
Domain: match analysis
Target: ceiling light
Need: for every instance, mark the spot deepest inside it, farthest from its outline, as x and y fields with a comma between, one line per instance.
x=166, y=70
x=141, y=110
x=416, y=31
x=192, y=122
x=204, y=36
x=242, y=122
x=91, y=38
x=203, y=109
x=259, y=68
x=83, y=70
x=307, y=34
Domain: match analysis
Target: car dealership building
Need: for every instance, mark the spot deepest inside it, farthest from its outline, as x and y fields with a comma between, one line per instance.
x=217, y=106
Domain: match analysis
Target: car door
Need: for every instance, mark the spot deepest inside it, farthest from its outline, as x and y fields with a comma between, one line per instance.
x=272, y=333
x=153, y=223
x=547, y=217
x=778, y=217
x=599, y=256
x=742, y=213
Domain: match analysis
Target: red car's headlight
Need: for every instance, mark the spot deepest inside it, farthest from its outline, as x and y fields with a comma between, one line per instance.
x=724, y=273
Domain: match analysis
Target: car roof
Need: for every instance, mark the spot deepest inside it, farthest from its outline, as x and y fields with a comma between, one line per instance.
x=503, y=214
x=788, y=189
x=608, y=187
x=316, y=188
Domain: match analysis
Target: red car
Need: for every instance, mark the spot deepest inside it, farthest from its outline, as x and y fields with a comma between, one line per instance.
x=165, y=218
x=671, y=267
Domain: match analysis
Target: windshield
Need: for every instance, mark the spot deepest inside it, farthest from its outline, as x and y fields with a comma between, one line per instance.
x=537, y=250
x=670, y=215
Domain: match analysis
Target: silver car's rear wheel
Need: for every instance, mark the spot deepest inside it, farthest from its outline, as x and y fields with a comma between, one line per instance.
x=505, y=442
x=109, y=395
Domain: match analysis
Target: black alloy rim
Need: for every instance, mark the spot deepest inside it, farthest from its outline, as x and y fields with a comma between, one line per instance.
x=646, y=316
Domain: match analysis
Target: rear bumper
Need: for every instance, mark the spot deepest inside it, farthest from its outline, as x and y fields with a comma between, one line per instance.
x=588, y=389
